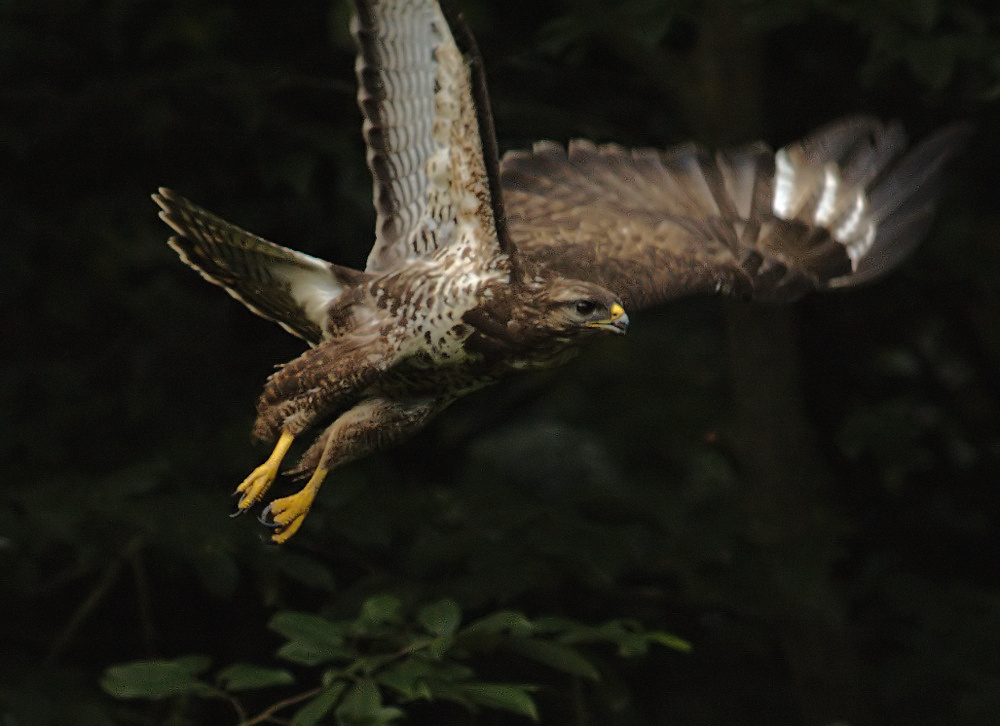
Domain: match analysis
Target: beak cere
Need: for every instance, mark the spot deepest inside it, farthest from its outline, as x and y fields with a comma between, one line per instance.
x=617, y=321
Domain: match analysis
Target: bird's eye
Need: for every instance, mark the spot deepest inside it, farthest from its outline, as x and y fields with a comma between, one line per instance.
x=586, y=307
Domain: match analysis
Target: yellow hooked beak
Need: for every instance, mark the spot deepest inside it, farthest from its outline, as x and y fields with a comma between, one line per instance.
x=617, y=321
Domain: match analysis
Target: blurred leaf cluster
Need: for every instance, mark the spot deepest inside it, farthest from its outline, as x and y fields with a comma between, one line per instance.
x=381, y=654
x=808, y=495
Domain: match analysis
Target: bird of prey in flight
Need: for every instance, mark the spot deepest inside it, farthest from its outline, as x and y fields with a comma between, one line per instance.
x=484, y=267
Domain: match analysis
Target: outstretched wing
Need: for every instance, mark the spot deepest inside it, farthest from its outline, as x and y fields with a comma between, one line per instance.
x=288, y=287
x=431, y=147
x=837, y=208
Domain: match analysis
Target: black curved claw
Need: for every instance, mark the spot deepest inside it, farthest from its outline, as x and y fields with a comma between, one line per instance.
x=239, y=510
x=267, y=519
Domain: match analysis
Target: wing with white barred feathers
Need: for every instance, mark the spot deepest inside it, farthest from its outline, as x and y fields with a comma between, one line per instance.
x=837, y=208
x=429, y=132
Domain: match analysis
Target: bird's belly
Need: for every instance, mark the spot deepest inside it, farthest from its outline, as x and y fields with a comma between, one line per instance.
x=452, y=380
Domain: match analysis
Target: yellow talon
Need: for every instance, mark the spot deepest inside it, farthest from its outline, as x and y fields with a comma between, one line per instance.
x=289, y=512
x=256, y=485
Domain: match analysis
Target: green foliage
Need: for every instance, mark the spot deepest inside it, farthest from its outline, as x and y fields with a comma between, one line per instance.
x=245, y=677
x=384, y=656
x=158, y=678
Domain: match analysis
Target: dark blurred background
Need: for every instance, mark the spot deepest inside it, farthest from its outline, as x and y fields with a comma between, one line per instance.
x=806, y=494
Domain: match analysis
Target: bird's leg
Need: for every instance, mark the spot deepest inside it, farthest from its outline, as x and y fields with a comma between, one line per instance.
x=312, y=386
x=317, y=384
x=288, y=513
x=371, y=424
x=256, y=485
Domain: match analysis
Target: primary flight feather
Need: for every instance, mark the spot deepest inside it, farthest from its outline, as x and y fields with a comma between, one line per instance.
x=484, y=267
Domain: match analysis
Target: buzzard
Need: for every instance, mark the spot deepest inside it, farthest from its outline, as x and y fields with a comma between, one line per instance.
x=483, y=267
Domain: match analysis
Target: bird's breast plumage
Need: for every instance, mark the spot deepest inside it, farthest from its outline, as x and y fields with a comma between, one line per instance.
x=424, y=304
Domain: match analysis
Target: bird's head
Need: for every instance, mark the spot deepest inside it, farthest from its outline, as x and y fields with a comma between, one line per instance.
x=568, y=308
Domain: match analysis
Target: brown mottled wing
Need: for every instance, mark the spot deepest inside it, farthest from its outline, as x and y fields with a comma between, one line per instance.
x=838, y=208
x=429, y=133
x=288, y=287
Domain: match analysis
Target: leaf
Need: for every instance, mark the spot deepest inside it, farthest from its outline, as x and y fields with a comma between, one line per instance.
x=627, y=634
x=317, y=708
x=555, y=624
x=449, y=690
x=246, y=677
x=381, y=609
x=441, y=618
x=634, y=646
x=613, y=631
x=158, y=678
x=362, y=706
x=310, y=654
x=361, y=702
x=439, y=647
x=193, y=664
x=671, y=641
x=555, y=655
x=502, y=697
x=312, y=639
x=408, y=678
x=498, y=623
x=368, y=664
x=306, y=627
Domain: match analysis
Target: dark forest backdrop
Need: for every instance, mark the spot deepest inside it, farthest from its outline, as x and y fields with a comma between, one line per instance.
x=806, y=495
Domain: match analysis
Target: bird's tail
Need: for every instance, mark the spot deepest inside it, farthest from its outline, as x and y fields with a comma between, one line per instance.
x=280, y=284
